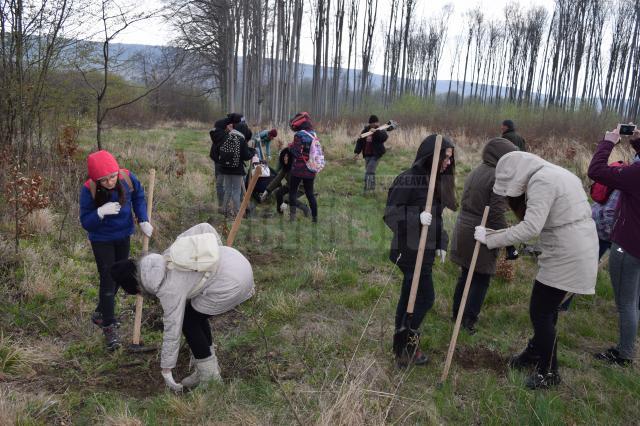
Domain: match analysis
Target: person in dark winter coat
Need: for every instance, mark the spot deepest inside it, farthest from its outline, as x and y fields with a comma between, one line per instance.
x=218, y=135
x=231, y=150
x=372, y=149
x=108, y=201
x=478, y=193
x=300, y=174
x=624, y=259
x=405, y=216
x=509, y=133
x=280, y=189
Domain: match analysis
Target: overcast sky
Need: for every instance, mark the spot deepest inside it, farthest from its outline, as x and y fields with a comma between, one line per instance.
x=157, y=32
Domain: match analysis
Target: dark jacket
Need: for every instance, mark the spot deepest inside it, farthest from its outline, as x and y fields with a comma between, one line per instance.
x=117, y=226
x=516, y=139
x=478, y=193
x=218, y=134
x=377, y=139
x=626, y=231
x=299, y=150
x=407, y=199
x=283, y=172
x=246, y=153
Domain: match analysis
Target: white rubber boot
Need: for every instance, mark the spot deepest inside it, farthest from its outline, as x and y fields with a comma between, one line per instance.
x=193, y=379
x=208, y=367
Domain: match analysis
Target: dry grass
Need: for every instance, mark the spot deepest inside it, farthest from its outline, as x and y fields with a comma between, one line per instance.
x=40, y=222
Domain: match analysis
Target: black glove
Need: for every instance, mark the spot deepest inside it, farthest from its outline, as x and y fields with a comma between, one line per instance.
x=512, y=253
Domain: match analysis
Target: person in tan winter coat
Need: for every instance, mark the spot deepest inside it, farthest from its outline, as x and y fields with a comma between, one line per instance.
x=189, y=299
x=478, y=193
x=552, y=205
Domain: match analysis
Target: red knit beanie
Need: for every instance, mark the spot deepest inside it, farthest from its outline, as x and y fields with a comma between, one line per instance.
x=101, y=164
x=272, y=133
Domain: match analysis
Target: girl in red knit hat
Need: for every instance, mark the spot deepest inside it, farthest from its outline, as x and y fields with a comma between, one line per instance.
x=108, y=201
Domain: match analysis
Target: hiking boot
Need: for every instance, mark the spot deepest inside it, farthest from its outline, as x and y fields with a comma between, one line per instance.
x=612, y=356
x=541, y=380
x=526, y=359
x=419, y=358
x=111, y=337
x=469, y=325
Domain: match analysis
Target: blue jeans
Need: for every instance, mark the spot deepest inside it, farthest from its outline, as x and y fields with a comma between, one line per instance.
x=625, y=279
x=232, y=192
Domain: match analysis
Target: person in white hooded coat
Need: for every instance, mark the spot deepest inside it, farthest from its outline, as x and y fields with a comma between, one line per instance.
x=189, y=299
x=552, y=205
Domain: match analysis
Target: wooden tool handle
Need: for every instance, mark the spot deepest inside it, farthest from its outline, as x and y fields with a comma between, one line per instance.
x=137, y=323
x=425, y=229
x=463, y=301
x=243, y=206
x=370, y=132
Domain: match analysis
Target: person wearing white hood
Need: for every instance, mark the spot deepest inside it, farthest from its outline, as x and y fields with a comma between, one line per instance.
x=189, y=298
x=552, y=205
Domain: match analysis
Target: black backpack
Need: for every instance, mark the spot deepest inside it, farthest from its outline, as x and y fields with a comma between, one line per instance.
x=229, y=153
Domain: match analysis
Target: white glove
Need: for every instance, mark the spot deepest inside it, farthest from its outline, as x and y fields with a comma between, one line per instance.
x=264, y=196
x=146, y=228
x=425, y=218
x=442, y=254
x=171, y=384
x=112, y=207
x=613, y=136
x=284, y=207
x=480, y=234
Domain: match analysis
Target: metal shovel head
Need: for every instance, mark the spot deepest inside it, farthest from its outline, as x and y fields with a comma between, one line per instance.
x=139, y=348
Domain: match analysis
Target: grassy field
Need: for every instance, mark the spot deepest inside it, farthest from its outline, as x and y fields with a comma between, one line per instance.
x=313, y=345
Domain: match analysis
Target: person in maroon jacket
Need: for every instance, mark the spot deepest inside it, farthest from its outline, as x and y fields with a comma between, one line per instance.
x=624, y=260
x=300, y=174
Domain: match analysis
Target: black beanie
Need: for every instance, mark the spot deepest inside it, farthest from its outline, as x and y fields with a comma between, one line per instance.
x=509, y=124
x=373, y=119
x=235, y=117
x=123, y=272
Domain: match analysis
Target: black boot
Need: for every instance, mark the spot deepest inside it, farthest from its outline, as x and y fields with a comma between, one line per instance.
x=111, y=337
x=469, y=325
x=526, y=359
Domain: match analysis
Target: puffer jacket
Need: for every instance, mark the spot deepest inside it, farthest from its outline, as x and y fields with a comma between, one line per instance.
x=230, y=285
x=406, y=200
x=478, y=193
x=558, y=211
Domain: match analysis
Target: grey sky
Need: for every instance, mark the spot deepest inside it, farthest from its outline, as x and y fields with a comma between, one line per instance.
x=155, y=32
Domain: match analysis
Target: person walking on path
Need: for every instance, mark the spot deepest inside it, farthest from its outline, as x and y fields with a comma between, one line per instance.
x=624, y=259
x=478, y=192
x=188, y=299
x=372, y=149
x=552, y=205
x=509, y=133
x=108, y=201
x=405, y=215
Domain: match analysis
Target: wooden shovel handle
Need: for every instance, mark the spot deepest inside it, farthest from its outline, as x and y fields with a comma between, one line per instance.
x=243, y=206
x=463, y=302
x=425, y=229
x=137, y=323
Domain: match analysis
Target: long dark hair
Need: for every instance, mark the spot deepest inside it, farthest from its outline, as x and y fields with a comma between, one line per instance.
x=103, y=195
x=518, y=205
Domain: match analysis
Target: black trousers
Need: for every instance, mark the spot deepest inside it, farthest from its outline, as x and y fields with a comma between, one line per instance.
x=475, y=298
x=197, y=331
x=543, y=311
x=294, y=183
x=106, y=254
x=424, y=297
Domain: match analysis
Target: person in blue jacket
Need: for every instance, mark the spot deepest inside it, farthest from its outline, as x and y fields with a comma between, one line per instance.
x=108, y=201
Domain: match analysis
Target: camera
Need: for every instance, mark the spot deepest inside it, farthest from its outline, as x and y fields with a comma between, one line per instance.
x=627, y=129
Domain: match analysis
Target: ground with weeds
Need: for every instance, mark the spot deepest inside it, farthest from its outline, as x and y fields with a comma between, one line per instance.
x=313, y=345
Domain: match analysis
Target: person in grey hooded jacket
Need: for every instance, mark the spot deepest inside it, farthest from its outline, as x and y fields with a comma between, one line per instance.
x=552, y=205
x=189, y=299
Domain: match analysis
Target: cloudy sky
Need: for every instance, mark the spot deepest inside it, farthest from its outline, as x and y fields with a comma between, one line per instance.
x=157, y=32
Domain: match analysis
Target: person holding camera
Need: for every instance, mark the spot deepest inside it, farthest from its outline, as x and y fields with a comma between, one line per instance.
x=624, y=260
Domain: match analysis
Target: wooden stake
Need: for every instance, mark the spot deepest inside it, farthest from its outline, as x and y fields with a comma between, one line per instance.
x=463, y=302
x=137, y=324
x=243, y=206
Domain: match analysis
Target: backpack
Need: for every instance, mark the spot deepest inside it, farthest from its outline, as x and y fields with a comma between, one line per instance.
x=605, y=215
x=315, y=162
x=123, y=174
x=600, y=193
x=229, y=153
